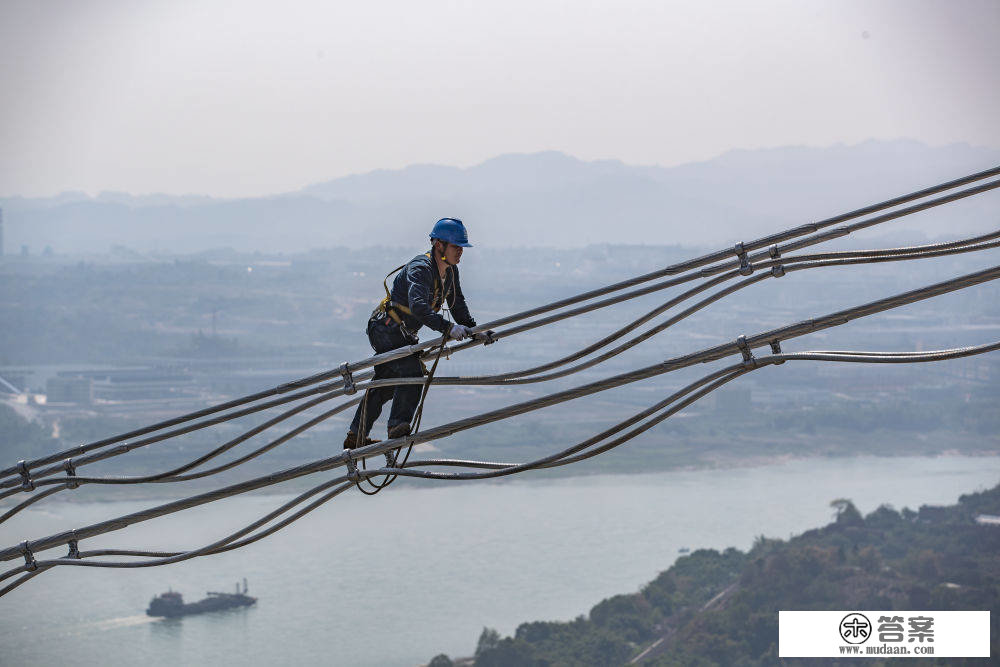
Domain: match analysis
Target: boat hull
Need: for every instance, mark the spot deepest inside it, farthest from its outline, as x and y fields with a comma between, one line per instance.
x=171, y=605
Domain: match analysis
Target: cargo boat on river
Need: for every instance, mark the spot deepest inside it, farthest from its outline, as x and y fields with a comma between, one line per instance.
x=171, y=604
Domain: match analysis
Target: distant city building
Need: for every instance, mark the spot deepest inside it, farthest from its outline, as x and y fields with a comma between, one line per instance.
x=69, y=389
x=142, y=384
x=84, y=387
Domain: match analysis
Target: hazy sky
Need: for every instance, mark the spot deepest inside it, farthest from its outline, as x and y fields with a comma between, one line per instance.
x=251, y=97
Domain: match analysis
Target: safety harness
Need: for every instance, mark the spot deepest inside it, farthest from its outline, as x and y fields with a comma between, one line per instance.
x=389, y=308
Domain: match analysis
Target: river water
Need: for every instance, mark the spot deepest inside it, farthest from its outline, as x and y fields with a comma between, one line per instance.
x=397, y=578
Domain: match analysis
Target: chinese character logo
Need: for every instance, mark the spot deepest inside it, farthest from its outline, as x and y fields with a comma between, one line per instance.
x=921, y=628
x=855, y=628
x=890, y=629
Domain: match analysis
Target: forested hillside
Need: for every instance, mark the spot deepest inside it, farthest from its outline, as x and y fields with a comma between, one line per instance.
x=715, y=608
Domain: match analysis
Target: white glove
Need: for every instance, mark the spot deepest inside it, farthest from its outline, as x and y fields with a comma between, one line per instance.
x=458, y=332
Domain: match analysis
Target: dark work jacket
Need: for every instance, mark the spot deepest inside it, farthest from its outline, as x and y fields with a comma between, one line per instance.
x=414, y=287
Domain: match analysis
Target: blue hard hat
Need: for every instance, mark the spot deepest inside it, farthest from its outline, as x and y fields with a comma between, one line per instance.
x=451, y=230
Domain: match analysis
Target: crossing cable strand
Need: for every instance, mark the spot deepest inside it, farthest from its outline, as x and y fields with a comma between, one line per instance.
x=773, y=252
x=330, y=389
x=965, y=244
x=166, y=558
x=703, y=386
x=743, y=261
x=388, y=356
x=743, y=344
x=785, y=264
x=704, y=260
x=225, y=544
x=157, y=478
x=676, y=363
x=878, y=255
x=714, y=381
x=550, y=460
x=812, y=240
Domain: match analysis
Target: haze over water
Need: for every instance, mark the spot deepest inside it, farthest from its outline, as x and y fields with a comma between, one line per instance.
x=398, y=578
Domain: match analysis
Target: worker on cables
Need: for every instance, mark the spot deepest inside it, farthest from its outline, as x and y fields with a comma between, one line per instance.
x=418, y=292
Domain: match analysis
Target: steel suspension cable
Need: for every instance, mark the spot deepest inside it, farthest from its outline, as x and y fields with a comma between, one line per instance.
x=831, y=234
x=718, y=379
x=879, y=255
x=742, y=345
x=671, y=270
x=787, y=264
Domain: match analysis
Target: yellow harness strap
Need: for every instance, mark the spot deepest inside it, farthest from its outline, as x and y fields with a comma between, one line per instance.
x=389, y=307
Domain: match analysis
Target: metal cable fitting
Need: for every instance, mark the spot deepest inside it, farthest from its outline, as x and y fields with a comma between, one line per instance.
x=773, y=252
x=745, y=268
x=352, y=469
x=778, y=270
x=749, y=360
x=776, y=349
x=70, y=472
x=22, y=470
x=30, y=563
x=74, y=546
x=345, y=371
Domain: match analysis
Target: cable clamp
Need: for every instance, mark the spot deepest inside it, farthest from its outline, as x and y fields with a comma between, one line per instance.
x=777, y=270
x=745, y=268
x=749, y=360
x=349, y=387
x=70, y=472
x=488, y=337
x=30, y=563
x=776, y=349
x=352, y=469
x=22, y=470
x=74, y=546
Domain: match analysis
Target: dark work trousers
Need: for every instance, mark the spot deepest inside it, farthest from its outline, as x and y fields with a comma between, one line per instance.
x=383, y=338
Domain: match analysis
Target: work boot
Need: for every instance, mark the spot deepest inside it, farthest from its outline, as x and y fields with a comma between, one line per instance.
x=351, y=441
x=399, y=430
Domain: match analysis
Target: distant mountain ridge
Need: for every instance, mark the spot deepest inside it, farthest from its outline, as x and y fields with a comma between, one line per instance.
x=548, y=198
